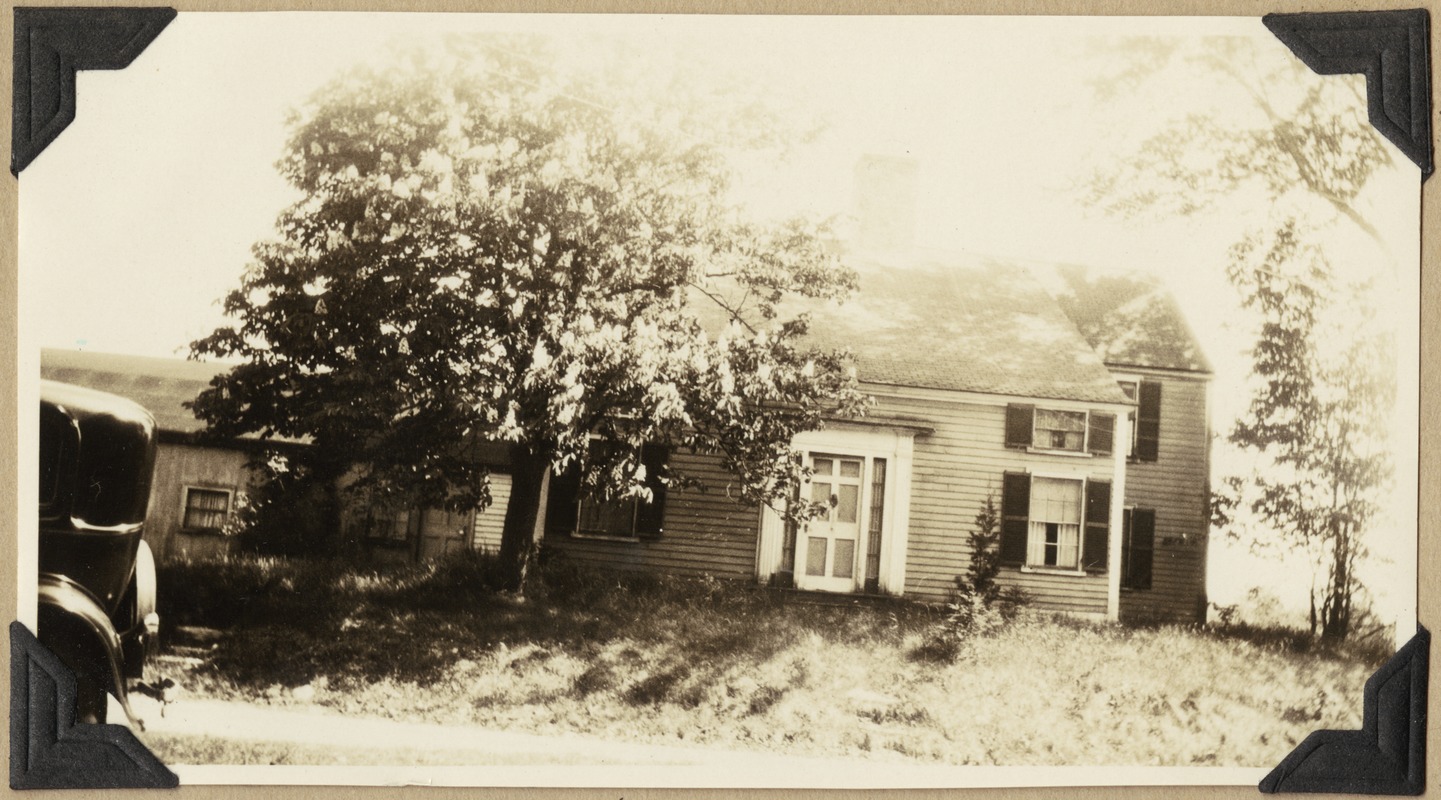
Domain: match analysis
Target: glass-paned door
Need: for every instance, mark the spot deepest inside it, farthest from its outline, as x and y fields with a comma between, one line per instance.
x=826, y=548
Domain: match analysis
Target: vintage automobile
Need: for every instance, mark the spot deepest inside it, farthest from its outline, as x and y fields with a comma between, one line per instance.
x=97, y=577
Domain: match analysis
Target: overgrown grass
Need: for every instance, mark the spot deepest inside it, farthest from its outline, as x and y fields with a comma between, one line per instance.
x=652, y=659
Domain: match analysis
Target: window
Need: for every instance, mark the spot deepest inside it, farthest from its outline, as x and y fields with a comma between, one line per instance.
x=606, y=518
x=206, y=510
x=1146, y=423
x=570, y=513
x=1055, y=523
x=1055, y=530
x=1060, y=430
x=388, y=527
x=1138, y=541
x=1031, y=428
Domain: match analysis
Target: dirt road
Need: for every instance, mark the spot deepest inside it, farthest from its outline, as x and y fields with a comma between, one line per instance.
x=239, y=733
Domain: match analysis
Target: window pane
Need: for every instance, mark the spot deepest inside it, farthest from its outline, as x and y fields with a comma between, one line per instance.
x=845, y=558
x=1060, y=420
x=1060, y=430
x=1129, y=388
x=616, y=518
x=821, y=493
x=206, y=509
x=849, y=497
x=815, y=556
x=850, y=469
x=1055, y=528
x=823, y=466
x=1068, y=551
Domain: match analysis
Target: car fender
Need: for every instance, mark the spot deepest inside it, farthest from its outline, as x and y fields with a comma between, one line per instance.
x=94, y=646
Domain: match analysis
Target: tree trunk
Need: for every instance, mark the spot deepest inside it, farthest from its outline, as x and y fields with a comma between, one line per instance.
x=1336, y=622
x=517, y=538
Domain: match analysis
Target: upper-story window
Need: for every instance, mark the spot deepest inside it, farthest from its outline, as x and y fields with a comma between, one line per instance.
x=1061, y=430
x=1145, y=421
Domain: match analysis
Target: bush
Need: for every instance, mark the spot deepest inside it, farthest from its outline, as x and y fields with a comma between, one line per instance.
x=979, y=605
x=291, y=511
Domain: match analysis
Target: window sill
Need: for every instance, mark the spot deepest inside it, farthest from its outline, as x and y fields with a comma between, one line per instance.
x=1071, y=573
x=1045, y=451
x=604, y=537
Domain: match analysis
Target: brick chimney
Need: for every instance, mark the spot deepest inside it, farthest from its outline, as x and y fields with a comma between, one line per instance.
x=885, y=202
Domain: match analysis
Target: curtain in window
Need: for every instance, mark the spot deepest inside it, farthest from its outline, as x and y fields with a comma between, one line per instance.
x=1055, y=534
x=206, y=509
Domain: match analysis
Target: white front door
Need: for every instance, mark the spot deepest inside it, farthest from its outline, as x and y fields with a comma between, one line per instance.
x=828, y=547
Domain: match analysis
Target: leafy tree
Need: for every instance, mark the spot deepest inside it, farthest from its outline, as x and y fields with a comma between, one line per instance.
x=503, y=244
x=1319, y=413
x=1323, y=372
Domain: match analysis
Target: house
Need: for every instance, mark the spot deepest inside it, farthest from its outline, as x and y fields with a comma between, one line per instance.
x=1076, y=403
x=1092, y=445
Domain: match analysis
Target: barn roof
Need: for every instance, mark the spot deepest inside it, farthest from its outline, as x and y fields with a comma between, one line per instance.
x=161, y=385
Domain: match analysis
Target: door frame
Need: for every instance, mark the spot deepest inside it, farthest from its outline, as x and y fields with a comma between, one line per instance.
x=896, y=445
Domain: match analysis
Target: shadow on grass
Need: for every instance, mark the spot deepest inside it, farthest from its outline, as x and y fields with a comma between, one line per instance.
x=289, y=622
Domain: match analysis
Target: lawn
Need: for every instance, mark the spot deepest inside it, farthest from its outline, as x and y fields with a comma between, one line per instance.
x=668, y=660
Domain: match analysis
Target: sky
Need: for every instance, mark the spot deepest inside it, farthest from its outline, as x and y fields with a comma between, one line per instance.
x=140, y=217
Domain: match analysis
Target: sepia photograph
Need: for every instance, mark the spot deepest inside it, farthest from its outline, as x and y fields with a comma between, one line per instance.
x=735, y=401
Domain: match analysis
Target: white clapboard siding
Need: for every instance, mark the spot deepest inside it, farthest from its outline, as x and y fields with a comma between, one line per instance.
x=956, y=467
x=489, y=523
x=1176, y=485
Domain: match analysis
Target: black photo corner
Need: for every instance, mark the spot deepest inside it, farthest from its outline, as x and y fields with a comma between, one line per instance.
x=50, y=750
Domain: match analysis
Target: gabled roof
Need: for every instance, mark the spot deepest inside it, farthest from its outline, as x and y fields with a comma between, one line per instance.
x=956, y=322
x=1130, y=319
x=161, y=385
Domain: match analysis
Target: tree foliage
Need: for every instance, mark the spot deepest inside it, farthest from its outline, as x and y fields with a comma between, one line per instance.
x=500, y=242
x=1322, y=371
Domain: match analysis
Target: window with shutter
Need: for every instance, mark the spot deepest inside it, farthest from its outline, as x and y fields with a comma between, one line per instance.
x=1030, y=427
x=1054, y=523
x=567, y=511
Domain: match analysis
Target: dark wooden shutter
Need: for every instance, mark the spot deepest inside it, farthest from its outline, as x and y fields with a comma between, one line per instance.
x=1098, y=517
x=650, y=517
x=1020, y=419
x=1141, y=548
x=1015, y=513
x=1102, y=434
x=562, y=503
x=1148, y=421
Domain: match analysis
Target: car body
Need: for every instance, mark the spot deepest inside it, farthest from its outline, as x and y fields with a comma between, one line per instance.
x=97, y=577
